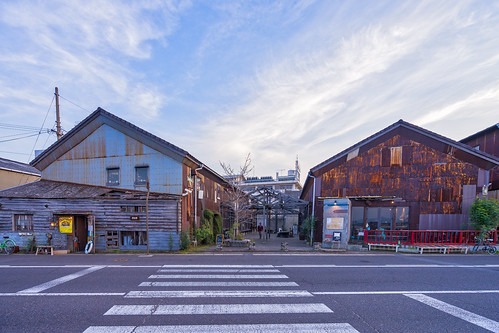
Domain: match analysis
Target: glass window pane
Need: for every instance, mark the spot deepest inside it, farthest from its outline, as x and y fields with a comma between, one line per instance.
x=113, y=176
x=402, y=218
x=386, y=217
x=23, y=222
x=141, y=175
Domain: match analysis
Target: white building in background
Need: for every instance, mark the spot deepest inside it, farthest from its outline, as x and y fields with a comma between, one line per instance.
x=283, y=183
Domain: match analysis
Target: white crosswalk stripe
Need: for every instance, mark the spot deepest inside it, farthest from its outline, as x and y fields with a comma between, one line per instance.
x=254, y=328
x=230, y=280
x=218, y=284
x=194, y=309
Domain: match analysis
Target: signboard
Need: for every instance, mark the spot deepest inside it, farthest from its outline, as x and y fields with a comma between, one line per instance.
x=220, y=239
x=66, y=224
x=334, y=223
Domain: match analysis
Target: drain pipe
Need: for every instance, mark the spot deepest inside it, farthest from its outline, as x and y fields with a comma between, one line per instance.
x=312, y=222
x=196, y=195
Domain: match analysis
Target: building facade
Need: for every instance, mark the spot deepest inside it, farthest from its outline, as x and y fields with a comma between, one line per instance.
x=105, y=151
x=403, y=177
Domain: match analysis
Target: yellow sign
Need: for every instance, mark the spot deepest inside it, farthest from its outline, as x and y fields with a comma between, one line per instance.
x=66, y=224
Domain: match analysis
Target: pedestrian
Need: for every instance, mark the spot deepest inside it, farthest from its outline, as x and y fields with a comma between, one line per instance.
x=260, y=230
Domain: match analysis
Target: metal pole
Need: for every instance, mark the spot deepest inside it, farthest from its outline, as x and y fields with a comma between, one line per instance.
x=147, y=215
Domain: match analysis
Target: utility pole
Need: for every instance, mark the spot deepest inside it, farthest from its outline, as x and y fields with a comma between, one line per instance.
x=57, y=115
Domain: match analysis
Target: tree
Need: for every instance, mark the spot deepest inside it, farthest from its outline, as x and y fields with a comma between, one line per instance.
x=484, y=214
x=234, y=196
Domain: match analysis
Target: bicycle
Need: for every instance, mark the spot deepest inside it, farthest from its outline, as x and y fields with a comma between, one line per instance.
x=7, y=245
x=485, y=246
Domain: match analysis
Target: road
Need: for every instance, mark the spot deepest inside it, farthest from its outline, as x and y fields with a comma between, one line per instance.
x=250, y=292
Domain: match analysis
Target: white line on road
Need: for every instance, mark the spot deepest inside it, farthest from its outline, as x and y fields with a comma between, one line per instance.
x=61, y=294
x=218, y=284
x=217, y=293
x=260, y=328
x=218, y=276
x=61, y=280
x=216, y=270
x=218, y=266
x=387, y=266
x=216, y=309
x=402, y=292
x=468, y=316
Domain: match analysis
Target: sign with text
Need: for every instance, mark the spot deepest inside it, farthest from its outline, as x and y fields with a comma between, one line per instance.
x=66, y=224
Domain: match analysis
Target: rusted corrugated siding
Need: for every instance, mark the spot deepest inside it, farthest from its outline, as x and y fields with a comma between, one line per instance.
x=426, y=176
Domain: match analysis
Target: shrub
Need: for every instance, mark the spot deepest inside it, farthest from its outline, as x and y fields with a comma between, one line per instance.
x=484, y=215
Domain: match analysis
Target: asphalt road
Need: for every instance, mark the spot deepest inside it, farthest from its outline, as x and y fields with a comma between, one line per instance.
x=250, y=292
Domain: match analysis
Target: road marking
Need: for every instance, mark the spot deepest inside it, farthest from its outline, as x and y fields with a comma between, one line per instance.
x=401, y=292
x=217, y=293
x=218, y=266
x=260, y=328
x=468, y=316
x=218, y=276
x=388, y=266
x=216, y=309
x=216, y=270
x=61, y=294
x=218, y=284
x=61, y=280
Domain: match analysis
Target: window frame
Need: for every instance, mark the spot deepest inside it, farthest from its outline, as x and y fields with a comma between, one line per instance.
x=109, y=173
x=138, y=180
x=15, y=222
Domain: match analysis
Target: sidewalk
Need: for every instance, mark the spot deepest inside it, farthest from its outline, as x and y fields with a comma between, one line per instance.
x=266, y=244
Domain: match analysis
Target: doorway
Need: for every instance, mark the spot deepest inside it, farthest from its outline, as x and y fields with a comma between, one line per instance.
x=80, y=233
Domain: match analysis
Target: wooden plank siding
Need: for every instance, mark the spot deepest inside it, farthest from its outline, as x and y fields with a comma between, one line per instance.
x=164, y=219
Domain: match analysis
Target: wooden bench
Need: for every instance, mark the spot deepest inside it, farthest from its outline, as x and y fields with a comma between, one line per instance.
x=45, y=249
x=376, y=246
x=237, y=243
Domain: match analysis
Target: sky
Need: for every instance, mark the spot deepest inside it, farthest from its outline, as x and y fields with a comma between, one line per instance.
x=222, y=79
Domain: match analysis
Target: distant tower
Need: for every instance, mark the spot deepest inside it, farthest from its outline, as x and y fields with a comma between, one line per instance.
x=297, y=169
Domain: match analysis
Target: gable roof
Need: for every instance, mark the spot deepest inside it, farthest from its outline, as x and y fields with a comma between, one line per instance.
x=481, y=133
x=49, y=189
x=416, y=133
x=19, y=167
x=102, y=117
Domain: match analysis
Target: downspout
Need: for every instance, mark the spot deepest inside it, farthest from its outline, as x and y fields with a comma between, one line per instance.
x=312, y=222
x=195, y=195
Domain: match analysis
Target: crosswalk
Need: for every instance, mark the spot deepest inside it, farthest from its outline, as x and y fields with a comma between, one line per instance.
x=253, y=283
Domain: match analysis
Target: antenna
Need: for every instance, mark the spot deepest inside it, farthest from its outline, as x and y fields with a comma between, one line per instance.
x=57, y=115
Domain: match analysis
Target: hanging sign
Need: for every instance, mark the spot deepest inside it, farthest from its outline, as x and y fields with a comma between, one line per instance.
x=66, y=224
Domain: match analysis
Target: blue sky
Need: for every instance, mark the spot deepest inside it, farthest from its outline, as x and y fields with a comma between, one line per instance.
x=277, y=79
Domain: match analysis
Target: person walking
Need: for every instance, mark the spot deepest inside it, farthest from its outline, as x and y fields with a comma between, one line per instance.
x=260, y=230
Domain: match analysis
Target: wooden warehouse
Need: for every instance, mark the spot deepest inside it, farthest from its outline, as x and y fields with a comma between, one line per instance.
x=67, y=216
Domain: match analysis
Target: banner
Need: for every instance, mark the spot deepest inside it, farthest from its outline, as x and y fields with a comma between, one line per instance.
x=66, y=224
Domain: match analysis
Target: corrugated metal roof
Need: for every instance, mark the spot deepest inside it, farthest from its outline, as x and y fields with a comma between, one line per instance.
x=48, y=189
x=10, y=165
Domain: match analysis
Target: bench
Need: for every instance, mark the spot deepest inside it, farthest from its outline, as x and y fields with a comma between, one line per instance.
x=284, y=234
x=237, y=243
x=45, y=249
x=442, y=249
x=376, y=246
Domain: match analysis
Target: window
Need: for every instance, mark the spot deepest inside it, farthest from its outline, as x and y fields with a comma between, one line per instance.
x=396, y=156
x=23, y=222
x=133, y=238
x=141, y=175
x=113, y=176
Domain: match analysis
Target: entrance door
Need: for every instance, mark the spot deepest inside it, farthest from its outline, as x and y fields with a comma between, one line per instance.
x=80, y=232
